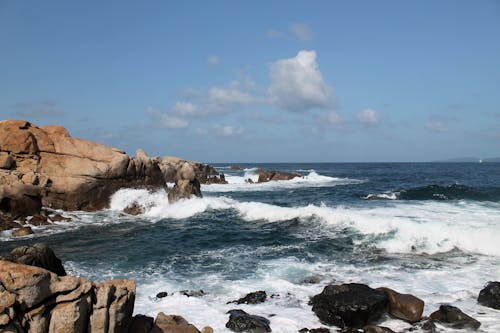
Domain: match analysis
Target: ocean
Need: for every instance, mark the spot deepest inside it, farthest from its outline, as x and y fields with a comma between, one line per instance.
x=427, y=229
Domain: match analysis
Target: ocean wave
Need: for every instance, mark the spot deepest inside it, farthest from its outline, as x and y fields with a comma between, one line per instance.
x=431, y=227
x=241, y=184
x=440, y=192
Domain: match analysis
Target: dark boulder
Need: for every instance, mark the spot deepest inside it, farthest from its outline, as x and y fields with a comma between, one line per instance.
x=193, y=293
x=377, y=329
x=252, y=298
x=352, y=305
x=490, y=295
x=134, y=209
x=39, y=255
x=404, y=306
x=240, y=321
x=454, y=317
x=315, y=330
x=162, y=294
x=266, y=175
x=141, y=324
x=23, y=231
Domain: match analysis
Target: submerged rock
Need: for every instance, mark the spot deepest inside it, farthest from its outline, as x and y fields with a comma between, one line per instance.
x=454, y=317
x=353, y=305
x=23, y=231
x=240, y=321
x=490, y=295
x=252, y=298
x=193, y=293
x=404, y=306
x=162, y=294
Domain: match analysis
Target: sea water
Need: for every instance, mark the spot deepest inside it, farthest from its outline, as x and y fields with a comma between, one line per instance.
x=428, y=229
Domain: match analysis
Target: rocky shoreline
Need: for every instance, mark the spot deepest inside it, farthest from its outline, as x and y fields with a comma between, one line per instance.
x=36, y=295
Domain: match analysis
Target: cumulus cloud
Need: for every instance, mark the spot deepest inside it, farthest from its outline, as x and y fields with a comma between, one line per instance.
x=223, y=99
x=40, y=109
x=185, y=108
x=301, y=31
x=297, y=83
x=213, y=60
x=368, y=116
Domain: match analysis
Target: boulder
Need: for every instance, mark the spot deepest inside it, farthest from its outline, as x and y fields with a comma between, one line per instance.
x=141, y=324
x=33, y=299
x=252, y=298
x=266, y=175
x=39, y=255
x=352, y=305
x=18, y=199
x=162, y=294
x=490, y=295
x=240, y=321
x=193, y=293
x=134, y=209
x=23, y=231
x=454, y=317
x=184, y=189
x=315, y=330
x=377, y=329
x=207, y=329
x=174, y=324
x=404, y=306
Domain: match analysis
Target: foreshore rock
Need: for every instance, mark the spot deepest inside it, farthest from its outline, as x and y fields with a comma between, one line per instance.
x=240, y=321
x=33, y=299
x=266, y=175
x=490, y=295
x=404, y=306
x=454, y=317
x=351, y=305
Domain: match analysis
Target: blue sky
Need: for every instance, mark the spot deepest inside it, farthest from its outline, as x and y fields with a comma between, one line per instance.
x=259, y=81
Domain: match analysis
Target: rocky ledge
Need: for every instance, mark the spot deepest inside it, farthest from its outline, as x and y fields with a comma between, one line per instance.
x=46, y=167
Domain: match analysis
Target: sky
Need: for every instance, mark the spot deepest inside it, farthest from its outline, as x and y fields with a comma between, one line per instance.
x=259, y=81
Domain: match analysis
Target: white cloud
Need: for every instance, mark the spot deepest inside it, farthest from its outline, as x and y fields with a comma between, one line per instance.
x=228, y=131
x=333, y=118
x=271, y=33
x=222, y=99
x=301, y=31
x=297, y=83
x=436, y=124
x=185, y=108
x=368, y=116
x=213, y=60
x=165, y=120
x=168, y=121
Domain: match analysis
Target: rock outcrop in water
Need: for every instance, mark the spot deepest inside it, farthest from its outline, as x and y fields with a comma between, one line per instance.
x=266, y=175
x=352, y=305
x=45, y=166
x=403, y=306
x=454, y=317
x=490, y=295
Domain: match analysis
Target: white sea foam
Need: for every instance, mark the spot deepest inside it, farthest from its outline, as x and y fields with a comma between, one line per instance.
x=241, y=184
x=429, y=227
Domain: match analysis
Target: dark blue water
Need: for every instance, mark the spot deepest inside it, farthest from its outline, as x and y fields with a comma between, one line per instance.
x=383, y=223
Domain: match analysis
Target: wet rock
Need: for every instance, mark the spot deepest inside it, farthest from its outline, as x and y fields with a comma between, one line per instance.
x=184, y=189
x=39, y=219
x=240, y=321
x=404, y=306
x=39, y=255
x=490, y=295
x=6, y=223
x=134, y=209
x=454, y=317
x=162, y=294
x=23, y=231
x=353, y=305
x=174, y=324
x=252, y=298
x=311, y=280
x=59, y=218
x=141, y=324
x=377, y=329
x=315, y=330
x=193, y=293
x=266, y=175
x=207, y=329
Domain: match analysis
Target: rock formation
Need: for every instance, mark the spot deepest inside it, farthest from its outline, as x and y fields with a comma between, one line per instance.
x=352, y=305
x=404, y=306
x=68, y=173
x=266, y=175
x=240, y=321
x=205, y=173
x=186, y=184
x=490, y=295
x=454, y=317
x=33, y=299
